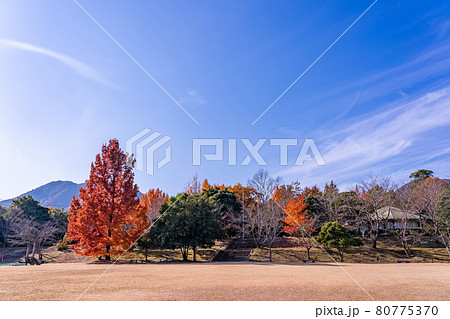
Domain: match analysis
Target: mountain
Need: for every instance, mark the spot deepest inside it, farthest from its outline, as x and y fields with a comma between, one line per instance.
x=57, y=194
x=411, y=184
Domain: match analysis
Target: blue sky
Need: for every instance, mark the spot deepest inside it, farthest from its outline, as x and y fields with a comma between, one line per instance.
x=377, y=102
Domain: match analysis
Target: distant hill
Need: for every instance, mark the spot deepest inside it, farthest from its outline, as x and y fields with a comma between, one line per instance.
x=411, y=183
x=57, y=194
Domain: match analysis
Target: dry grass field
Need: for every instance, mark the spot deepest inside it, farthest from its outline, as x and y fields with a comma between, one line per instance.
x=220, y=281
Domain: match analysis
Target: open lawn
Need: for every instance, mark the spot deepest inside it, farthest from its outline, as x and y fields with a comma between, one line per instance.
x=230, y=281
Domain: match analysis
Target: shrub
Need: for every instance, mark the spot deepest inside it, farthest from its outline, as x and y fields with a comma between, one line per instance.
x=64, y=243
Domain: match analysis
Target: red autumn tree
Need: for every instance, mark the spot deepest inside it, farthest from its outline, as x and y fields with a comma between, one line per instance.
x=152, y=201
x=107, y=218
x=298, y=223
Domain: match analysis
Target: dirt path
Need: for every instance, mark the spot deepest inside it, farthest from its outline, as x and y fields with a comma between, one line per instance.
x=226, y=281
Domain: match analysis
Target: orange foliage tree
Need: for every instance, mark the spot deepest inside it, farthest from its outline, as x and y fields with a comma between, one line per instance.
x=298, y=223
x=107, y=218
x=205, y=185
x=283, y=193
x=244, y=194
x=313, y=191
x=152, y=201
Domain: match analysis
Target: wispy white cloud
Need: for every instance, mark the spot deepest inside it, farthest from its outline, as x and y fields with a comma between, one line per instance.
x=426, y=72
x=79, y=67
x=395, y=137
x=379, y=140
x=193, y=98
x=429, y=64
x=350, y=107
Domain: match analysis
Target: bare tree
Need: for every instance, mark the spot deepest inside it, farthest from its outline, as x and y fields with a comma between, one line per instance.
x=245, y=196
x=407, y=236
x=432, y=200
x=31, y=233
x=9, y=221
x=254, y=224
x=442, y=219
x=272, y=218
x=264, y=185
x=4, y=225
x=376, y=192
x=193, y=186
x=305, y=231
x=265, y=224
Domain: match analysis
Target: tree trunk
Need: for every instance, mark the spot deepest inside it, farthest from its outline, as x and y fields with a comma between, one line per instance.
x=270, y=252
x=194, y=249
x=421, y=222
x=406, y=249
x=146, y=256
x=308, y=256
x=34, y=250
x=374, y=242
x=341, y=254
x=243, y=215
x=374, y=235
x=107, y=257
x=184, y=253
x=27, y=253
x=39, y=252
